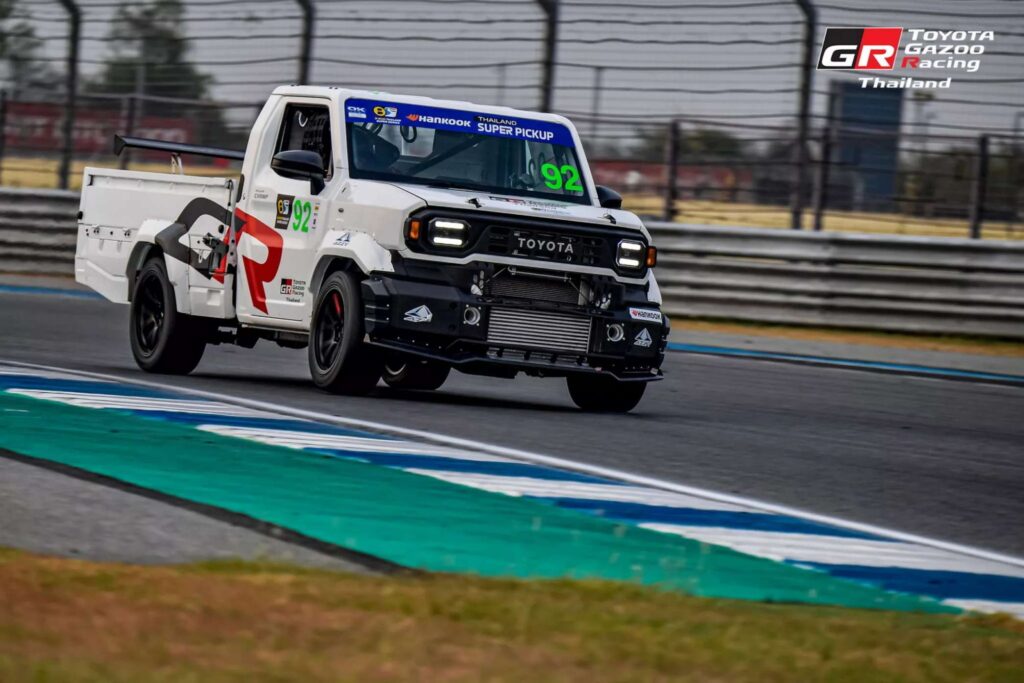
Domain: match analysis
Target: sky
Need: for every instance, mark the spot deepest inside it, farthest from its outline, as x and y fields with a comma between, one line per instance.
x=729, y=63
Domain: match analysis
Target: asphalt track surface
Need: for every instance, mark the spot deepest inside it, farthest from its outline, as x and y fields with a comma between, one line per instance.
x=935, y=457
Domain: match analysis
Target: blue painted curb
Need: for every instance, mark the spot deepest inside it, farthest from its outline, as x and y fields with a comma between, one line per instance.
x=903, y=368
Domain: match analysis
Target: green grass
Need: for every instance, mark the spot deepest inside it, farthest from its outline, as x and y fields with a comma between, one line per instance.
x=67, y=620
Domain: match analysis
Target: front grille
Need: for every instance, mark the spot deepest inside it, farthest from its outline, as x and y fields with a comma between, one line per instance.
x=538, y=329
x=549, y=289
x=587, y=250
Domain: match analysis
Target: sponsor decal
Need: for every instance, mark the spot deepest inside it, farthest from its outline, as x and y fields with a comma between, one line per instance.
x=645, y=314
x=420, y=314
x=452, y=119
x=386, y=112
x=877, y=48
x=284, y=211
x=643, y=338
x=532, y=204
x=343, y=240
x=298, y=214
x=293, y=290
x=421, y=119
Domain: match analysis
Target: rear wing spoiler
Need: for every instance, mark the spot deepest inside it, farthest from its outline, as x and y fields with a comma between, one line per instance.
x=176, y=148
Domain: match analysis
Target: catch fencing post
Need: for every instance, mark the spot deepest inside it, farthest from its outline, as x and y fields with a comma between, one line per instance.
x=306, y=49
x=825, y=168
x=595, y=101
x=550, y=8
x=672, y=170
x=799, y=174
x=71, y=91
x=3, y=131
x=979, y=187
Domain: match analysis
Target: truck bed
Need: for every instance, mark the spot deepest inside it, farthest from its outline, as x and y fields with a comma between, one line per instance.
x=120, y=208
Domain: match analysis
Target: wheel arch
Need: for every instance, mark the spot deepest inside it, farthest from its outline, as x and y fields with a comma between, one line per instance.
x=141, y=253
x=328, y=265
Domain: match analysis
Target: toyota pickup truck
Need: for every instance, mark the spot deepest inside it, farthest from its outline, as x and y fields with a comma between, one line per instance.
x=395, y=238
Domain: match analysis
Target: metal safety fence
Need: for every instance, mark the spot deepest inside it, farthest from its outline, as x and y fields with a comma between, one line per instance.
x=879, y=282
x=706, y=112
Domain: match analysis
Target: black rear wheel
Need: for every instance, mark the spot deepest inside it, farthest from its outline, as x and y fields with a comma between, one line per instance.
x=339, y=360
x=162, y=339
x=602, y=394
x=408, y=372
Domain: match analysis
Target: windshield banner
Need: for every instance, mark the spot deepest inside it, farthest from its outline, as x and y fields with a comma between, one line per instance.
x=398, y=114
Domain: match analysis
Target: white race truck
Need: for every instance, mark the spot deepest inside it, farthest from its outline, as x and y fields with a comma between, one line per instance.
x=393, y=236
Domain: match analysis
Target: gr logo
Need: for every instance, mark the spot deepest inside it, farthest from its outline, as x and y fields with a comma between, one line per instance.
x=860, y=48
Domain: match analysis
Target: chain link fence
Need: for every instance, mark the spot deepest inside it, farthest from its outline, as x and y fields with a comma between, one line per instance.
x=693, y=111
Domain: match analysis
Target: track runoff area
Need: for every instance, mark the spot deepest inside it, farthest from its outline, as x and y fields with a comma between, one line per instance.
x=395, y=498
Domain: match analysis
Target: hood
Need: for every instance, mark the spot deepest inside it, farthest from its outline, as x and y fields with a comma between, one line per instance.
x=524, y=206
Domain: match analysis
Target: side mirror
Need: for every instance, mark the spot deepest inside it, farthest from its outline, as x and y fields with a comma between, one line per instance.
x=609, y=198
x=300, y=164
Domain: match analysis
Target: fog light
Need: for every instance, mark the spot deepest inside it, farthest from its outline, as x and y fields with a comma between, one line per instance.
x=471, y=316
x=615, y=332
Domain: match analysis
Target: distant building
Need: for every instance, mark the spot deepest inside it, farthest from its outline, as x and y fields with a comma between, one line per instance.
x=867, y=123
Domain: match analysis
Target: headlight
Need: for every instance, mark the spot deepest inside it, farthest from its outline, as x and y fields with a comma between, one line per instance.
x=630, y=254
x=448, y=232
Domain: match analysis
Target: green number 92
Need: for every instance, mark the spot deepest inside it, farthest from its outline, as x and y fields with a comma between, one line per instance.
x=565, y=177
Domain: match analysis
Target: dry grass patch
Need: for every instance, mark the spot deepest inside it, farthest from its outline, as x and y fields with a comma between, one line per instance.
x=708, y=212
x=67, y=620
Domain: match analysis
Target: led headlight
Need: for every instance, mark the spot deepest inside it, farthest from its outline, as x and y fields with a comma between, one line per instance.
x=448, y=232
x=630, y=254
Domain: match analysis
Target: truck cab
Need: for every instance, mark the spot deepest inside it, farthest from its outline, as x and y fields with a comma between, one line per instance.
x=393, y=236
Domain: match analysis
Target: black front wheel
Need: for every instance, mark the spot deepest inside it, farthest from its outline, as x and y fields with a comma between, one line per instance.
x=601, y=394
x=162, y=339
x=339, y=360
x=407, y=372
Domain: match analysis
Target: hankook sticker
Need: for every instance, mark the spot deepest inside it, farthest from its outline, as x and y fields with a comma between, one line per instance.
x=645, y=314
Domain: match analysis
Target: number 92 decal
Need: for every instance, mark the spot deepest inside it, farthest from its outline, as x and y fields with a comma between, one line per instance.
x=567, y=177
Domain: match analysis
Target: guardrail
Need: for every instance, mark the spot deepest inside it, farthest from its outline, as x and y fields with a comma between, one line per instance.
x=905, y=284
x=37, y=231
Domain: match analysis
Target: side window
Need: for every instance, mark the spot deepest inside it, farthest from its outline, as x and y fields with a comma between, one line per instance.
x=308, y=127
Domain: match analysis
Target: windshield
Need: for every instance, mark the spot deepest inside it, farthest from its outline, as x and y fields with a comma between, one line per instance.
x=462, y=150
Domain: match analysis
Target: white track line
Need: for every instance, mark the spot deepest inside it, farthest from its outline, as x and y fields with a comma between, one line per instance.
x=539, y=459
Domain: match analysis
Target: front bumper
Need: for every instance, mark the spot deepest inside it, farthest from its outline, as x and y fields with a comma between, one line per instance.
x=438, y=320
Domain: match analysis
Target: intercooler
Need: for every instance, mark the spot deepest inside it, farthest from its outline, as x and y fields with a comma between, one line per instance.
x=539, y=329
x=546, y=288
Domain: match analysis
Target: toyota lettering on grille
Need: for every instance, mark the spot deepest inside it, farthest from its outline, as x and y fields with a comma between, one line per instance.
x=544, y=246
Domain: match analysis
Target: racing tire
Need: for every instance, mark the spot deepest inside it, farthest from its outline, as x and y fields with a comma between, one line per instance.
x=404, y=372
x=162, y=339
x=339, y=360
x=601, y=394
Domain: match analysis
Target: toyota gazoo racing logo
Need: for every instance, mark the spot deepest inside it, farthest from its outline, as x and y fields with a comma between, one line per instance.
x=860, y=48
x=927, y=51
